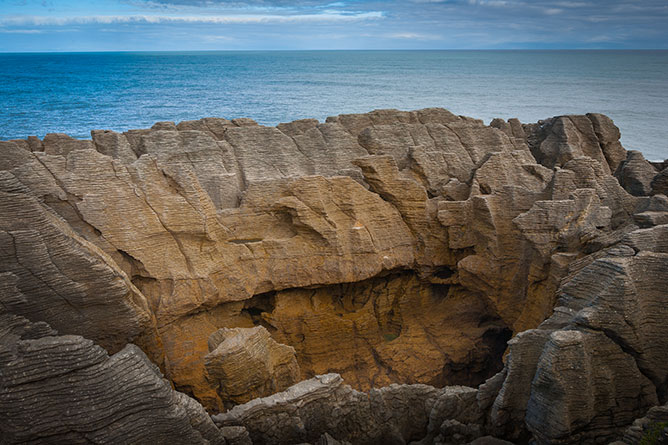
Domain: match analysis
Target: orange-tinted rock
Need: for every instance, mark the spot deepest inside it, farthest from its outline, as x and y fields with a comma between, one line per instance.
x=246, y=363
x=416, y=242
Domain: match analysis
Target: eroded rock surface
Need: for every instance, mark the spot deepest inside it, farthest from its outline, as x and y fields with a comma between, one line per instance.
x=324, y=405
x=247, y=363
x=65, y=389
x=599, y=361
x=388, y=247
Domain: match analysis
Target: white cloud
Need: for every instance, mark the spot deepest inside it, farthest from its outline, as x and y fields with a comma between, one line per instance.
x=20, y=31
x=493, y=3
x=414, y=36
x=210, y=19
x=569, y=4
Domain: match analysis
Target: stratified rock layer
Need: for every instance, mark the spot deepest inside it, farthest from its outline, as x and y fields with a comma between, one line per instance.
x=248, y=363
x=388, y=247
x=391, y=415
x=65, y=389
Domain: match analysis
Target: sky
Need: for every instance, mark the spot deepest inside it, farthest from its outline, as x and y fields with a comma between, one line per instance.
x=182, y=25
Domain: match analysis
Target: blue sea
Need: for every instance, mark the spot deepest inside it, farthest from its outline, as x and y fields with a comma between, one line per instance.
x=74, y=93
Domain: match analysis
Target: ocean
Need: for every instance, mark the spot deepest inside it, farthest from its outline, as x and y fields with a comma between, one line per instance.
x=74, y=93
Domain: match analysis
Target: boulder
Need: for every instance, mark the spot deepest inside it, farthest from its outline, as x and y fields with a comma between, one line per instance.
x=248, y=363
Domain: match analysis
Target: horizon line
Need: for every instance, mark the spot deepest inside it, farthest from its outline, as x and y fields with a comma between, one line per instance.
x=327, y=50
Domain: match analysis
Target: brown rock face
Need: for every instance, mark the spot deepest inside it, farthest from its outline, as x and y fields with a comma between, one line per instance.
x=248, y=363
x=388, y=247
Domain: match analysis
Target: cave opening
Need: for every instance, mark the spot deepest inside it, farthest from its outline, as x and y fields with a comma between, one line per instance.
x=394, y=328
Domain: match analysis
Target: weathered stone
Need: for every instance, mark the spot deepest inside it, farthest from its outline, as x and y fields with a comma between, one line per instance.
x=584, y=378
x=660, y=183
x=65, y=389
x=598, y=362
x=608, y=137
x=113, y=144
x=652, y=424
x=387, y=329
x=391, y=246
x=62, y=144
x=396, y=414
x=561, y=139
x=248, y=363
x=64, y=280
x=636, y=174
x=236, y=435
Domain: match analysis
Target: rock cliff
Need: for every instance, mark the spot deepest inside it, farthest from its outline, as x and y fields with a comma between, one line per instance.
x=402, y=251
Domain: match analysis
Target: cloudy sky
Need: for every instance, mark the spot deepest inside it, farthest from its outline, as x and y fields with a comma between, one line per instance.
x=103, y=25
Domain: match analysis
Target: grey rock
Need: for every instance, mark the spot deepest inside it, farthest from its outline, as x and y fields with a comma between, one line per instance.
x=113, y=144
x=561, y=139
x=635, y=174
x=608, y=137
x=309, y=409
x=236, y=435
x=65, y=389
x=659, y=184
x=64, y=280
x=598, y=362
x=204, y=214
x=490, y=440
x=650, y=424
x=165, y=125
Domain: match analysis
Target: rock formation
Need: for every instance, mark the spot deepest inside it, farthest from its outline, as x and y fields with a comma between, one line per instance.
x=65, y=389
x=389, y=247
x=248, y=363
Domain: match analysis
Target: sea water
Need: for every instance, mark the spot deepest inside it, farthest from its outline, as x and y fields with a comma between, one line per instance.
x=74, y=93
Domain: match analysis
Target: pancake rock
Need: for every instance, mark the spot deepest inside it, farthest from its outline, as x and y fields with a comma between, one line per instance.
x=65, y=389
x=598, y=362
x=324, y=405
x=653, y=426
x=387, y=247
x=248, y=363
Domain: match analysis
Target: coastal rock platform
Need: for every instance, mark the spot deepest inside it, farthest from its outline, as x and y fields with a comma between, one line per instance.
x=389, y=277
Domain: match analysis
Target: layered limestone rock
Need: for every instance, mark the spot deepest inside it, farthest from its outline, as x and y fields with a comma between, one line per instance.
x=388, y=247
x=324, y=405
x=65, y=280
x=599, y=361
x=636, y=175
x=248, y=363
x=651, y=428
x=659, y=183
x=65, y=389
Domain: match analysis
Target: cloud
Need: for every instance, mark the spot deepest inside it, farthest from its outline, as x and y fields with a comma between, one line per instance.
x=572, y=4
x=192, y=19
x=414, y=36
x=227, y=3
x=493, y=3
x=21, y=31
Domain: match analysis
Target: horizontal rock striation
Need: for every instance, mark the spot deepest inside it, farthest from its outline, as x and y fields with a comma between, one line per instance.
x=387, y=247
x=324, y=405
x=248, y=363
x=65, y=389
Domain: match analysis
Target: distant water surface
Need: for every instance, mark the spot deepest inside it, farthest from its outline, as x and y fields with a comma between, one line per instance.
x=75, y=93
